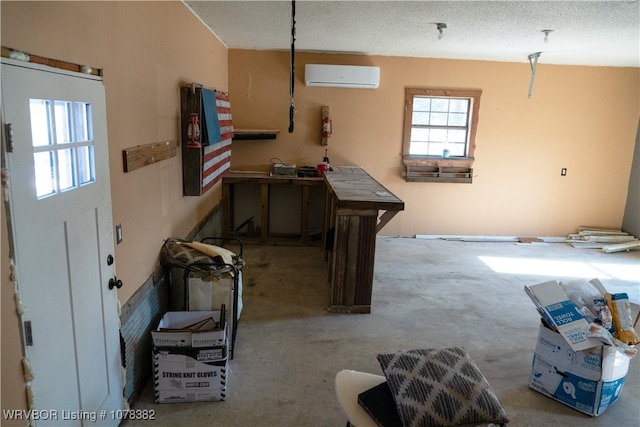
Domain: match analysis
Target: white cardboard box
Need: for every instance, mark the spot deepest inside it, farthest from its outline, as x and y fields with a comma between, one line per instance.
x=180, y=378
x=179, y=396
x=558, y=310
x=589, y=380
x=180, y=337
x=186, y=354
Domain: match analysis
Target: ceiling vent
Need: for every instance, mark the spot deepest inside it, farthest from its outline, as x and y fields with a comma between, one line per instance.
x=351, y=76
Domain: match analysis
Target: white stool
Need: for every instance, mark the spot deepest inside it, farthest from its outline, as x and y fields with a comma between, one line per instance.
x=349, y=384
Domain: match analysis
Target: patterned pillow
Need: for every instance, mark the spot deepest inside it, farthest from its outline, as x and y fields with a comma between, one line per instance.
x=440, y=387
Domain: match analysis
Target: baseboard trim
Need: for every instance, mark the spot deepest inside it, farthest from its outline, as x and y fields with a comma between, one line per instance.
x=473, y=238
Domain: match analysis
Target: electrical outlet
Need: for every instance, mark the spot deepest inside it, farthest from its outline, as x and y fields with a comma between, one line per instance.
x=563, y=171
x=118, y=234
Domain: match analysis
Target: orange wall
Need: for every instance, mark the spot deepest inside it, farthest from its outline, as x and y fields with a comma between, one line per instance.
x=147, y=50
x=581, y=118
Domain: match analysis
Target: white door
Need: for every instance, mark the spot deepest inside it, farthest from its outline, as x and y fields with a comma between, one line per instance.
x=60, y=212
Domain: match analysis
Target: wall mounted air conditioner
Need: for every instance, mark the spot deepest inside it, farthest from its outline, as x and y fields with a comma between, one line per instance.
x=353, y=76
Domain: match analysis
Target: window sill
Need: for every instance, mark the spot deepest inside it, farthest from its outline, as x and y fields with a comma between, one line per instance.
x=438, y=161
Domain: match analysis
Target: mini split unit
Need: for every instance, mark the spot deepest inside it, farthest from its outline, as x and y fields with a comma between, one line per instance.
x=351, y=76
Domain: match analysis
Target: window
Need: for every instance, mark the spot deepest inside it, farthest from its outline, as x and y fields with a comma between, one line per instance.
x=62, y=140
x=439, y=133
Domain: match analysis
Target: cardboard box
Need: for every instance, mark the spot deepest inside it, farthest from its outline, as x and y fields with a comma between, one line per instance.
x=560, y=312
x=176, y=330
x=176, y=396
x=185, y=354
x=189, y=357
x=635, y=315
x=181, y=378
x=589, y=380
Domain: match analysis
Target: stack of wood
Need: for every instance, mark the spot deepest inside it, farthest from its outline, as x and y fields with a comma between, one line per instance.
x=609, y=240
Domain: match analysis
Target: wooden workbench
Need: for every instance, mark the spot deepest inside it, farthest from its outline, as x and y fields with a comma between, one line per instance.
x=354, y=201
x=266, y=181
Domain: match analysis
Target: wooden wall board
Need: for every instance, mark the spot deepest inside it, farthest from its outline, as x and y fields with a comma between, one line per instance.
x=6, y=52
x=144, y=155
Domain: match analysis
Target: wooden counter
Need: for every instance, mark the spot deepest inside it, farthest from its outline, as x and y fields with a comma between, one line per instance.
x=265, y=180
x=354, y=201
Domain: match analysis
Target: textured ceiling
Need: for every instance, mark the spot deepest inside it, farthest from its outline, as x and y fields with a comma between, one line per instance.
x=584, y=32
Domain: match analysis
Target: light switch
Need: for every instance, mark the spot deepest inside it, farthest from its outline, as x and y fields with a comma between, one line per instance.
x=118, y=234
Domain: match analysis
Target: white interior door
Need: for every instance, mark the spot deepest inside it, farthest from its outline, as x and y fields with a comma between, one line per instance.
x=60, y=211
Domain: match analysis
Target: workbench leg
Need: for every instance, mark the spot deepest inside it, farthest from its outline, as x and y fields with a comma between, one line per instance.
x=228, y=223
x=304, y=220
x=264, y=217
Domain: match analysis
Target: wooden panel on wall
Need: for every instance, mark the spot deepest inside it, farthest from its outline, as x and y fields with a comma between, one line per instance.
x=148, y=154
x=190, y=102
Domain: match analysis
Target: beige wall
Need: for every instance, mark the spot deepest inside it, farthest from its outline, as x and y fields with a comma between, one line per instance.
x=148, y=50
x=581, y=118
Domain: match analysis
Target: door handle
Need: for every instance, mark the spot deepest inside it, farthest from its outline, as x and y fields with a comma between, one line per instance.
x=114, y=282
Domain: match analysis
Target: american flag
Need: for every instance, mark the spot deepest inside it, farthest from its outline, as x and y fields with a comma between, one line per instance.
x=217, y=155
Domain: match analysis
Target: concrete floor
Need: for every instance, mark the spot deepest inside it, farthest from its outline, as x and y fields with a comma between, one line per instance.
x=426, y=293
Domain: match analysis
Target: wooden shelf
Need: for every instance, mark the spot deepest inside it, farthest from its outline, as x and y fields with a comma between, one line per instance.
x=253, y=134
x=439, y=174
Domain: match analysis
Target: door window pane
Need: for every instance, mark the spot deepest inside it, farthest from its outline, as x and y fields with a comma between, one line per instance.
x=82, y=118
x=85, y=165
x=66, y=169
x=40, y=122
x=62, y=113
x=45, y=173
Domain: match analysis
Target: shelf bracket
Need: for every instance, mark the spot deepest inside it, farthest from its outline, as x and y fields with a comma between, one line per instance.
x=533, y=62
